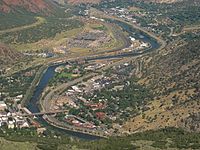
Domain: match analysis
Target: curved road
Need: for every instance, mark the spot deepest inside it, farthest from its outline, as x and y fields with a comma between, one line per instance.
x=45, y=103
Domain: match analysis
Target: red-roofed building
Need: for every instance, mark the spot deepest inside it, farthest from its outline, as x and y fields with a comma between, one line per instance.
x=100, y=115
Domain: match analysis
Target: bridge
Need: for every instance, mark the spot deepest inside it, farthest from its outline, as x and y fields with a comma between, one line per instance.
x=40, y=113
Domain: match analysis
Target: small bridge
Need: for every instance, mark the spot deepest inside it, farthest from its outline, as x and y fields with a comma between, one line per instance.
x=42, y=113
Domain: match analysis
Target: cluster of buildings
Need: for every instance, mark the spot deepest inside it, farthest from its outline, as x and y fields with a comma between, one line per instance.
x=94, y=67
x=60, y=50
x=91, y=85
x=16, y=117
x=78, y=122
x=96, y=83
x=82, y=98
x=43, y=54
x=123, y=13
x=11, y=119
x=134, y=17
x=60, y=102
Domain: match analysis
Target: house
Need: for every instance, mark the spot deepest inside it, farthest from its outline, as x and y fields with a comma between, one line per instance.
x=100, y=115
x=11, y=124
x=41, y=130
x=3, y=106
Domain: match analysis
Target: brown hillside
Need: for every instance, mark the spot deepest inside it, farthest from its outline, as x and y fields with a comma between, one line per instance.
x=84, y=1
x=164, y=1
x=34, y=6
x=173, y=75
x=7, y=55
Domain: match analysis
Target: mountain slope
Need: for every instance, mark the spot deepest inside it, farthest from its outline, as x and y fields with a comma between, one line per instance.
x=164, y=1
x=173, y=75
x=98, y=1
x=84, y=1
x=35, y=6
x=7, y=55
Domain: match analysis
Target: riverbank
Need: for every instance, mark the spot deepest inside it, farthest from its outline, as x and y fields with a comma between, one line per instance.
x=34, y=106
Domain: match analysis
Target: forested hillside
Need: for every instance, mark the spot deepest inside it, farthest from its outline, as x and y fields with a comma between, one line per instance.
x=173, y=75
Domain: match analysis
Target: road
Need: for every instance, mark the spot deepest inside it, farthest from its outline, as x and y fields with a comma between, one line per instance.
x=45, y=104
x=187, y=29
x=101, y=14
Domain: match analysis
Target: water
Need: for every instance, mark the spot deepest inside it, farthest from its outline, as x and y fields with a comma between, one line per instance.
x=49, y=73
x=137, y=34
x=33, y=105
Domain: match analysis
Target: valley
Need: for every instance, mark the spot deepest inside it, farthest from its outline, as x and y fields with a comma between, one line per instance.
x=100, y=75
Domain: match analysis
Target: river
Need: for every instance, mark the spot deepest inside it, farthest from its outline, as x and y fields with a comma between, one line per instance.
x=49, y=73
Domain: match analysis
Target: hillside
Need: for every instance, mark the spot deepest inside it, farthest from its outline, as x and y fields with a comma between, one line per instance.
x=83, y=1
x=98, y=1
x=164, y=1
x=7, y=55
x=173, y=76
x=34, y=6
x=174, y=1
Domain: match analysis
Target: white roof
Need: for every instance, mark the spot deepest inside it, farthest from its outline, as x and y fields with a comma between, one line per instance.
x=2, y=102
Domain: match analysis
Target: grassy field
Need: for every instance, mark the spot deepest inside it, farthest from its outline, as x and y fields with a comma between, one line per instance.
x=66, y=75
x=48, y=33
x=59, y=39
x=11, y=145
x=39, y=32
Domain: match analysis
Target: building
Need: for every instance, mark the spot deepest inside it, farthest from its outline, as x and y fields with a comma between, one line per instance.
x=100, y=115
x=41, y=130
x=3, y=106
x=11, y=125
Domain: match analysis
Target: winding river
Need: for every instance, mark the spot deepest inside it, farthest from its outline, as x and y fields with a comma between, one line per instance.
x=49, y=73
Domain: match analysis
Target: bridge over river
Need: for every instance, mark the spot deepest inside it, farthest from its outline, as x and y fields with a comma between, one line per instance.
x=29, y=114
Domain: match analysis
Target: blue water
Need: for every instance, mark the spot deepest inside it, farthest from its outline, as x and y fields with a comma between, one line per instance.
x=33, y=104
x=136, y=33
x=49, y=73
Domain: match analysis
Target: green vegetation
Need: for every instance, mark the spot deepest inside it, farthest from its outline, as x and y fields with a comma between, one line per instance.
x=100, y=27
x=180, y=66
x=163, y=19
x=29, y=138
x=163, y=139
x=11, y=20
x=67, y=74
x=10, y=85
x=49, y=29
x=121, y=103
x=9, y=145
x=39, y=21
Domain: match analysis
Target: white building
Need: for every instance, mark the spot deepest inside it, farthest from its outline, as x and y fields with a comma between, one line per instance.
x=3, y=106
x=11, y=125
